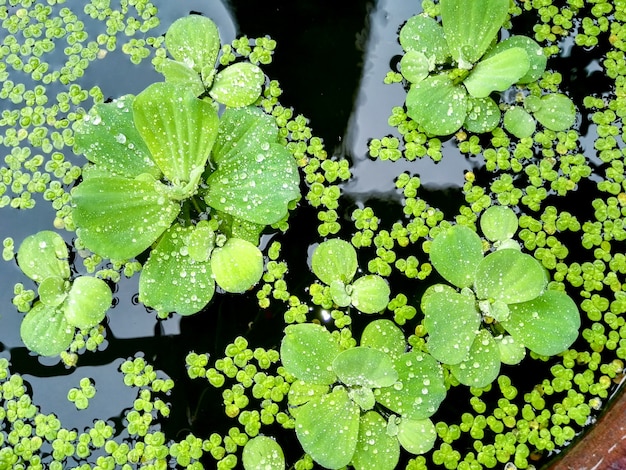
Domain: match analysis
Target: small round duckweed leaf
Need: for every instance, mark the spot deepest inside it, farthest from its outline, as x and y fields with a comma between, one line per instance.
x=498, y=72
x=483, y=116
x=334, y=260
x=308, y=351
x=511, y=351
x=193, y=40
x=238, y=85
x=339, y=294
x=385, y=336
x=180, y=73
x=301, y=392
x=87, y=303
x=328, y=428
x=455, y=253
x=414, y=66
x=482, y=365
x=263, y=453
x=557, y=112
x=366, y=367
x=375, y=449
x=370, y=293
x=519, y=123
x=417, y=436
x=498, y=223
x=237, y=266
x=510, y=276
x=423, y=34
x=451, y=320
x=420, y=388
x=53, y=290
x=537, y=58
x=546, y=325
x=44, y=254
x=45, y=331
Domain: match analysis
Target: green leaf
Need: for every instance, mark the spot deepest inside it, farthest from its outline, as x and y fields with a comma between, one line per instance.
x=482, y=365
x=171, y=280
x=423, y=34
x=366, y=367
x=301, y=392
x=519, y=123
x=339, y=294
x=45, y=331
x=193, y=40
x=53, y=291
x=497, y=73
x=483, y=116
x=328, y=428
x=307, y=351
x=44, y=254
x=334, y=260
x=87, y=303
x=375, y=449
x=178, y=128
x=414, y=66
x=536, y=57
x=557, y=112
x=510, y=276
x=385, y=336
x=362, y=396
x=470, y=27
x=511, y=351
x=498, y=223
x=455, y=253
x=238, y=85
x=201, y=241
x=235, y=227
x=546, y=325
x=437, y=105
x=263, y=453
x=370, y=293
x=107, y=136
x=237, y=266
x=420, y=390
x=417, y=436
x=181, y=74
x=119, y=217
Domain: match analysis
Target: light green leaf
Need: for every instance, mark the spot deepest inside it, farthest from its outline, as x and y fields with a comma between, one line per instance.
x=483, y=116
x=262, y=453
x=362, y=396
x=510, y=276
x=370, y=293
x=171, y=280
x=497, y=73
x=536, y=57
x=455, y=253
x=53, y=290
x=470, y=27
x=414, y=66
x=178, y=128
x=181, y=74
x=417, y=436
x=119, y=217
x=546, y=325
x=482, y=365
x=201, y=241
x=385, y=336
x=193, y=40
x=308, y=351
x=235, y=227
x=339, y=294
x=366, y=367
x=237, y=266
x=301, y=392
x=328, y=428
x=451, y=321
x=498, y=223
x=238, y=85
x=557, y=112
x=45, y=331
x=423, y=34
x=43, y=254
x=519, y=123
x=375, y=449
x=87, y=303
x=511, y=351
x=438, y=105
x=334, y=260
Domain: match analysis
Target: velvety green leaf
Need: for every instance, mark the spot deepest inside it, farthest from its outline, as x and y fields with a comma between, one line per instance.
x=307, y=351
x=334, y=260
x=362, y=396
x=510, y=276
x=557, y=112
x=498, y=223
x=339, y=294
x=375, y=449
x=328, y=428
x=483, y=116
x=107, y=136
x=511, y=351
x=421, y=389
x=519, y=123
x=451, y=321
x=414, y=66
x=201, y=241
x=45, y=331
x=385, y=336
x=301, y=392
x=119, y=217
x=53, y=291
x=180, y=73
x=366, y=367
x=87, y=303
x=438, y=105
x=469, y=27
x=547, y=325
x=193, y=40
x=238, y=85
x=497, y=73
x=179, y=129
x=171, y=280
x=532, y=103
x=44, y=254
x=482, y=365
x=423, y=34
x=262, y=453
x=237, y=266
x=417, y=436
x=370, y=293
x=455, y=253
x=536, y=57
